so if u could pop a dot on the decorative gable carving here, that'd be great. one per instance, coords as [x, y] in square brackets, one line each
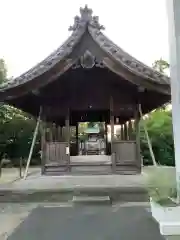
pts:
[88, 60]
[85, 19]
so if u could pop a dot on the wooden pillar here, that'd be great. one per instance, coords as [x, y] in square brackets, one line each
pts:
[67, 132]
[130, 130]
[50, 133]
[106, 138]
[43, 143]
[122, 132]
[59, 134]
[127, 124]
[137, 132]
[125, 132]
[77, 139]
[54, 132]
[113, 157]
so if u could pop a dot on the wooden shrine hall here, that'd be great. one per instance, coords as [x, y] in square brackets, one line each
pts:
[88, 79]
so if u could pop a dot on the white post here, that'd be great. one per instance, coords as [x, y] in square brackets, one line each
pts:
[173, 10]
[32, 145]
[148, 139]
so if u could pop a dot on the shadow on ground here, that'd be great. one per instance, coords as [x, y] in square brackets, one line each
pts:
[90, 223]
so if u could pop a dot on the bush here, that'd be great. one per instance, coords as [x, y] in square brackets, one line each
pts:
[159, 127]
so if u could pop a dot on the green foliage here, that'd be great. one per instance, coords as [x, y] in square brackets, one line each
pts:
[16, 132]
[160, 65]
[16, 129]
[3, 71]
[159, 127]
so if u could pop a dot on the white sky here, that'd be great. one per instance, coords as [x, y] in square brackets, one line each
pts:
[32, 29]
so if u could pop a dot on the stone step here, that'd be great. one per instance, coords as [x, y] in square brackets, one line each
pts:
[91, 200]
[116, 194]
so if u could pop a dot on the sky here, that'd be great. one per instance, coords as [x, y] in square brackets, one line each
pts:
[32, 29]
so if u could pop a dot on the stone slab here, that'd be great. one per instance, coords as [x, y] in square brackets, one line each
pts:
[91, 200]
[62, 188]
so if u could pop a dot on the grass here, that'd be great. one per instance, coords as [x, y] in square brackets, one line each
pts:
[166, 169]
[161, 184]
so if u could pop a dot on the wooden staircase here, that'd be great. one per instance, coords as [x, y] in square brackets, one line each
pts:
[90, 165]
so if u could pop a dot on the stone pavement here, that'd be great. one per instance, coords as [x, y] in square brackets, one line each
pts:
[59, 188]
[36, 181]
[67, 222]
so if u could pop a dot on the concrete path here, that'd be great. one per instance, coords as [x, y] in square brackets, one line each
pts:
[69, 223]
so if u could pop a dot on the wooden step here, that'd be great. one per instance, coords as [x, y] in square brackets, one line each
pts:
[90, 168]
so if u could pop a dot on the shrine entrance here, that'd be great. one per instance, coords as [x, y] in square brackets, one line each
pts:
[92, 138]
[91, 80]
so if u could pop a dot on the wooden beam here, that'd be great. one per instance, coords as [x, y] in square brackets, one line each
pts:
[148, 139]
[33, 143]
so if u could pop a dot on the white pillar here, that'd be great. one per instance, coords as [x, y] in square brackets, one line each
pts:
[173, 9]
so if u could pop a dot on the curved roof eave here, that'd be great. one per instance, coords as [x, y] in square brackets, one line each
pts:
[126, 60]
[94, 28]
[48, 63]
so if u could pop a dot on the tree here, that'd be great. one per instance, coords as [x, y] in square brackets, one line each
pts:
[3, 71]
[16, 128]
[160, 65]
[159, 127]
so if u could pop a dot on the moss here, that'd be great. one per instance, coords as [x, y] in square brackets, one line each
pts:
[167, 202]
